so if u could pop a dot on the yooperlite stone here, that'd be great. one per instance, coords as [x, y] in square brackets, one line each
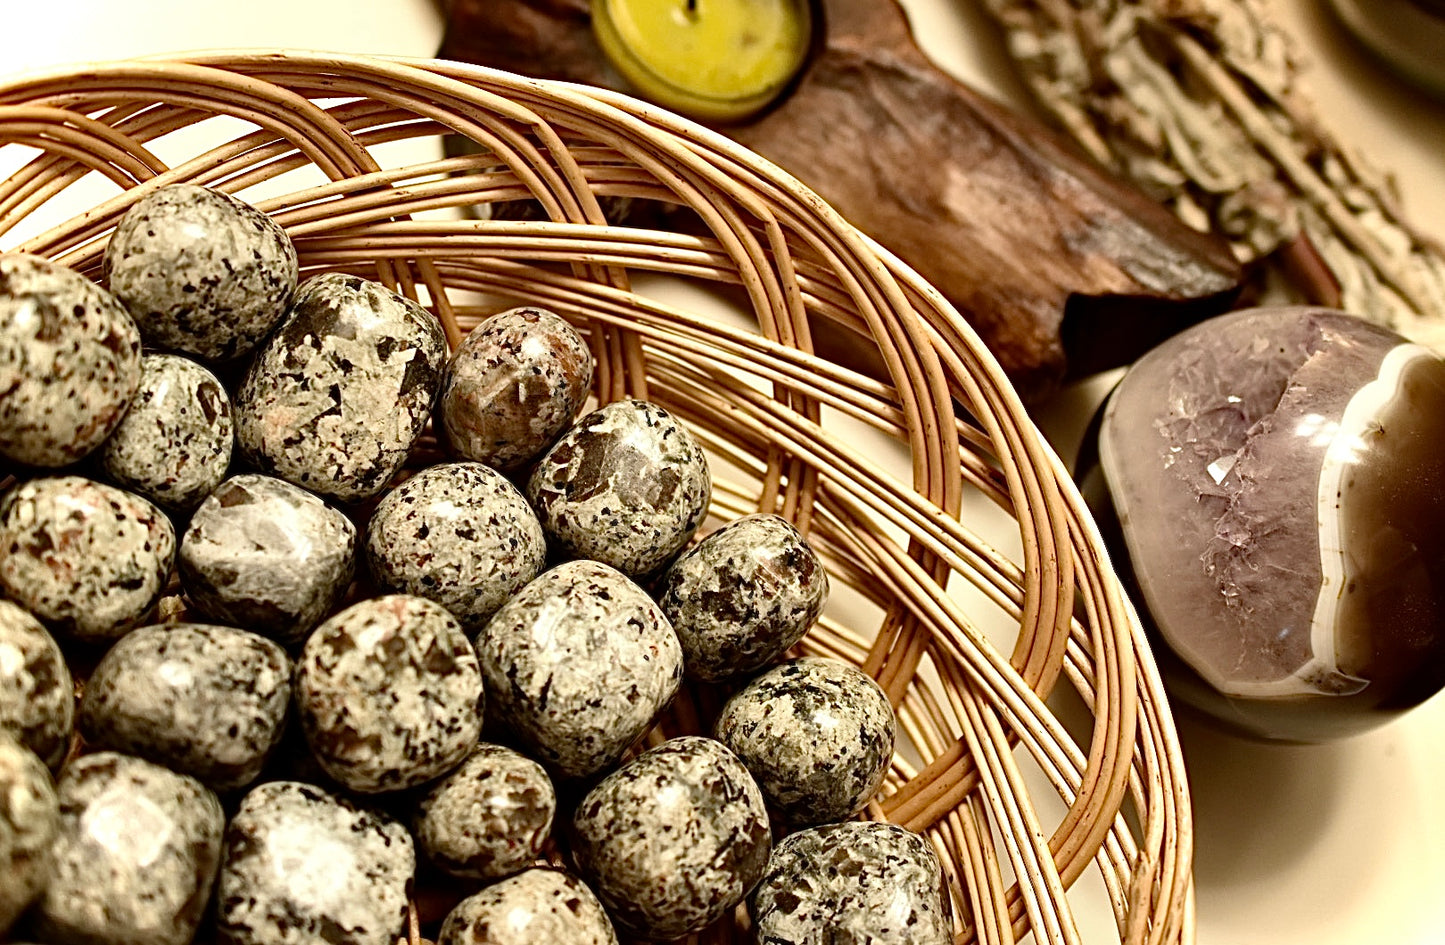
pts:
[69, 362]
[263, 554]
[389, 694]
[135, 855]
[513, 386]
[627, 485]
[303, 866]
[29, 821]
[174, 445]
[459, 534]
[578, 664]
[743, 595]
[205, 701]
[37, 698]
[537, 906]
[673, 839]
[88, 559]
[816, 734]
[1277, 475]
[490, 817]
[339, 392]
[201, 271]
[869, 883]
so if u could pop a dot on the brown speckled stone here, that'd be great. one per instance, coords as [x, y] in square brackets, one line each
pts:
[89, 560]
[303, 866]
[29, 821]
[673, 839]
[514, 384]
[817, 734]
[743, 595]
[490, 817]
[627, 485]
[201, 271]
[337, 395]
[389, 694]
[578, 663]
[538, 907]
[37, 697]
[459, 534]
[863, 883]
[174, 445]
[206, 701]
[69, 362]
[135, 857]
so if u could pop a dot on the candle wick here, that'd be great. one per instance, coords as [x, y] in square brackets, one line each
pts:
[692, 9]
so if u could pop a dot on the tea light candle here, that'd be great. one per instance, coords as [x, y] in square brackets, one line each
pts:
[716, 60]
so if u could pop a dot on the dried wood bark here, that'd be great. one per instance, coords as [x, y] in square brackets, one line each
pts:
[1199, 102]
[1062, 268]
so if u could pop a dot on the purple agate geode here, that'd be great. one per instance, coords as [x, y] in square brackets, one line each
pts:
[1278, 476]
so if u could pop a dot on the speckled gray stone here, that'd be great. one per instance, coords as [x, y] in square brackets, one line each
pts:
[37, 697]
[513, 386]
[29, 821]
[459, 534]
[389, 694]
[135, 856]
[490, 817]
[303, 866]
[174, 445]
[673, 839]
[741, 596]
[263, 554]
[861, 883]
[69, 362]
[201, 271]
[338, 394]
[627, 485]
[817, 734]
[531, 908]
[205, 701]
[578, 663]
[88, 559]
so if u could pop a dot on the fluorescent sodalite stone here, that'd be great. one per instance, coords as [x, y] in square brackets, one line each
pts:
[539, 905]
[1277, 475]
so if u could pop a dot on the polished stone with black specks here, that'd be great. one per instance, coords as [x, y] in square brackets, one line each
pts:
[29, 821]
[537, 906]
[37, 697]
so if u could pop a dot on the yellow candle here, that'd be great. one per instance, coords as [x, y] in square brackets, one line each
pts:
[718, 60]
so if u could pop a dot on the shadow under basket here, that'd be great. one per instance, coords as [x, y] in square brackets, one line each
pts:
[1038, 754]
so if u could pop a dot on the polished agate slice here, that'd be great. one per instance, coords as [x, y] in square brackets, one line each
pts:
[1279, 480]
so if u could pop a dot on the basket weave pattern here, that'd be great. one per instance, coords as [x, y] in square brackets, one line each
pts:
[982, 735]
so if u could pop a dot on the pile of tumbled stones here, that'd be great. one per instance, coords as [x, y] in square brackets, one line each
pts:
[386, 678]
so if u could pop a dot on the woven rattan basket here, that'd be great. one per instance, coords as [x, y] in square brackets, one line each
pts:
[1041, 759]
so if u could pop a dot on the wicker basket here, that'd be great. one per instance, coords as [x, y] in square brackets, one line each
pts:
[1039, 747]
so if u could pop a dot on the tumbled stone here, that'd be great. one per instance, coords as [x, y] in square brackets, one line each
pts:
[1277, 475]
[513, 386]
[135, 856]
[88, 559]
[303, 866]
[201, 271]
[490, 817]
[336, 396]
[743, 595]
[37, 697]
[535, 907]
[389, 694]
[578, 664]
[673, 839]
[857, 882]
[69, 362]
[29, 821]
[206, 701]
[459, 534]
[268, 556]
[627, 485]
[816, 734]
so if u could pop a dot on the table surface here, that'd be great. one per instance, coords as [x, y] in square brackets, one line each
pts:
[1331, 844]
